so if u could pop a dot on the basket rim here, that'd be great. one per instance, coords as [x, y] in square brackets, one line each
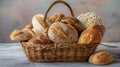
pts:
[27, 44]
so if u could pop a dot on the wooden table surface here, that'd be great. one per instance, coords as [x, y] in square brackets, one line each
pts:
[11, 55]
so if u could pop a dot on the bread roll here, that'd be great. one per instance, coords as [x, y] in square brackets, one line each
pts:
[40, 27]
[93, 34]
[40, 24]
[62, 33]
[101, 28]
[101, 57]
[22, 35]
[89, 18]
[43, 38]
[74, 22]
[56, 17]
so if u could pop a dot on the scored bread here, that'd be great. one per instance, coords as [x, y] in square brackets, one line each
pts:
[22, 35]
[39, 23]
[62, 33]
[93, 34]
[40, 27]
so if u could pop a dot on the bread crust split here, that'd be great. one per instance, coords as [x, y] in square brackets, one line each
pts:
[22, 35]
[41, 37]
[74, 22]
[56, 17]
[62, 33]
[39, 23]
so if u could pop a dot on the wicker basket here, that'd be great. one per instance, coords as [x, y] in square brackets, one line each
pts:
[58, 52]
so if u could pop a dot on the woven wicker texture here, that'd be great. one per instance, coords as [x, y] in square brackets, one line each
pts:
[57, 52]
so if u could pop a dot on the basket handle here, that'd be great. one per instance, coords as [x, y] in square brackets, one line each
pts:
[56, 2]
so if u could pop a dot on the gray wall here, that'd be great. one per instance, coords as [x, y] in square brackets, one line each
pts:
[17, 13]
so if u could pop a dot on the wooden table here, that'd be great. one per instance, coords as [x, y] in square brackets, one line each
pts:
[11, 55]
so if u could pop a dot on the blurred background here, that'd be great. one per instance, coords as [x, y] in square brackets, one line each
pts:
[15, 14]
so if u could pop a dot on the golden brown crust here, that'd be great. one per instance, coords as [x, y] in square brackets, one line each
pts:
[22, 35]
[30, 31]
[101, 57]
[74, 22]
[62, 33]
[56, 17]
[93, 34]
[101, 28]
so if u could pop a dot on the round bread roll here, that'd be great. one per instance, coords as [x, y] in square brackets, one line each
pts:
[101, 57]
[101, 28]
[62, 33]
[38, 23]
[93, 34]
[40, 27]
[89, 18]
[74, 22]
[56, 17]
[22, 35]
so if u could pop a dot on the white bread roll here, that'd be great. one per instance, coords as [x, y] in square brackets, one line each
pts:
[38, 23]
[40, 27]
[62, 33]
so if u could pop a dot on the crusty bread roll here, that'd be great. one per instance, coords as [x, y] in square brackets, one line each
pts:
[62, 33]
[89, 18]
[22, 35]
[56, 17]
[101, 57]
[93, 34]
[74, 22]
[40, 27]
[101, 28]
[43, 38]
[40, 24]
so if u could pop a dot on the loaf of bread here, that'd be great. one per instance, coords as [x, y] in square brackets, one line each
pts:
[40, 27]
[101, 57]
[89, 18]
[56, 17]
[93, 34]
[39, 24]
[74, 22]
[62, 33]
[42, 37]
[22, 35]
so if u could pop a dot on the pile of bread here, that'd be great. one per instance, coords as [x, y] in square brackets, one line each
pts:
[87, 28]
